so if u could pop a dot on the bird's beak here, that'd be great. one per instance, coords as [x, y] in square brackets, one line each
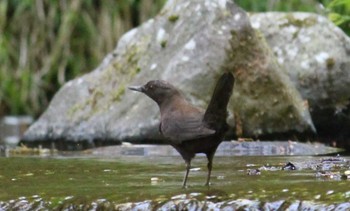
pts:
[136, 88]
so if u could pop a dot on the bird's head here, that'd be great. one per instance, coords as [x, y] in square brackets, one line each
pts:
[158, 90]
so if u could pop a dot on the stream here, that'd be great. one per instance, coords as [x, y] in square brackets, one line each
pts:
[128, 180]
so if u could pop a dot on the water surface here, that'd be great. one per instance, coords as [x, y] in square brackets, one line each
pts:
[128, 178]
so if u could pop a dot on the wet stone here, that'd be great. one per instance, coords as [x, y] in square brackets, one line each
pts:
[251, 172]
[273, 205]
[289, 166]
[180, 204]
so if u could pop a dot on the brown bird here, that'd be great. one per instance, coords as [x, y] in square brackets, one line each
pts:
[187, 128]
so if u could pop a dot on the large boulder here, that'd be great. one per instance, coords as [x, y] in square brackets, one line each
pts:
[316, 56]
[190, 44]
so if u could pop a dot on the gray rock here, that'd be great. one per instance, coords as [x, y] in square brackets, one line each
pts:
[316, 56]
[190, 44]
[226, 148]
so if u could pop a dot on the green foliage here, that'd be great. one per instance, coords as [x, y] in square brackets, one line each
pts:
[338, 11]
[281, 5]
[44, 43]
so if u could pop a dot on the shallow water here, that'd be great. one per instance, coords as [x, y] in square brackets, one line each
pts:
[52, 182]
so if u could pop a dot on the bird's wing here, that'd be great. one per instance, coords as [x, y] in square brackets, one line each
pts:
[185, 127]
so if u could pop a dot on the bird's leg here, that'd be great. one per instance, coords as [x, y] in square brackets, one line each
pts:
[210, 165]
[188, 167]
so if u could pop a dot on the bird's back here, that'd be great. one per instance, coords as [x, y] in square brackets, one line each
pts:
[181, 121]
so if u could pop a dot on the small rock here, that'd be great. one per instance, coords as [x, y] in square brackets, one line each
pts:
[253, 172]
[289, 166]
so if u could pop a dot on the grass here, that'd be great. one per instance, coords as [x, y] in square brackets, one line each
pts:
[43, 44]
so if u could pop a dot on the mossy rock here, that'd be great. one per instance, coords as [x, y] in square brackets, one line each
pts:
[191, 51]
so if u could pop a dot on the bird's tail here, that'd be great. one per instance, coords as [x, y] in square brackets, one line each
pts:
[216, 113]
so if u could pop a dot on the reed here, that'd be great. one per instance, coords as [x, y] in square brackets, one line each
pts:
[44, 43]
